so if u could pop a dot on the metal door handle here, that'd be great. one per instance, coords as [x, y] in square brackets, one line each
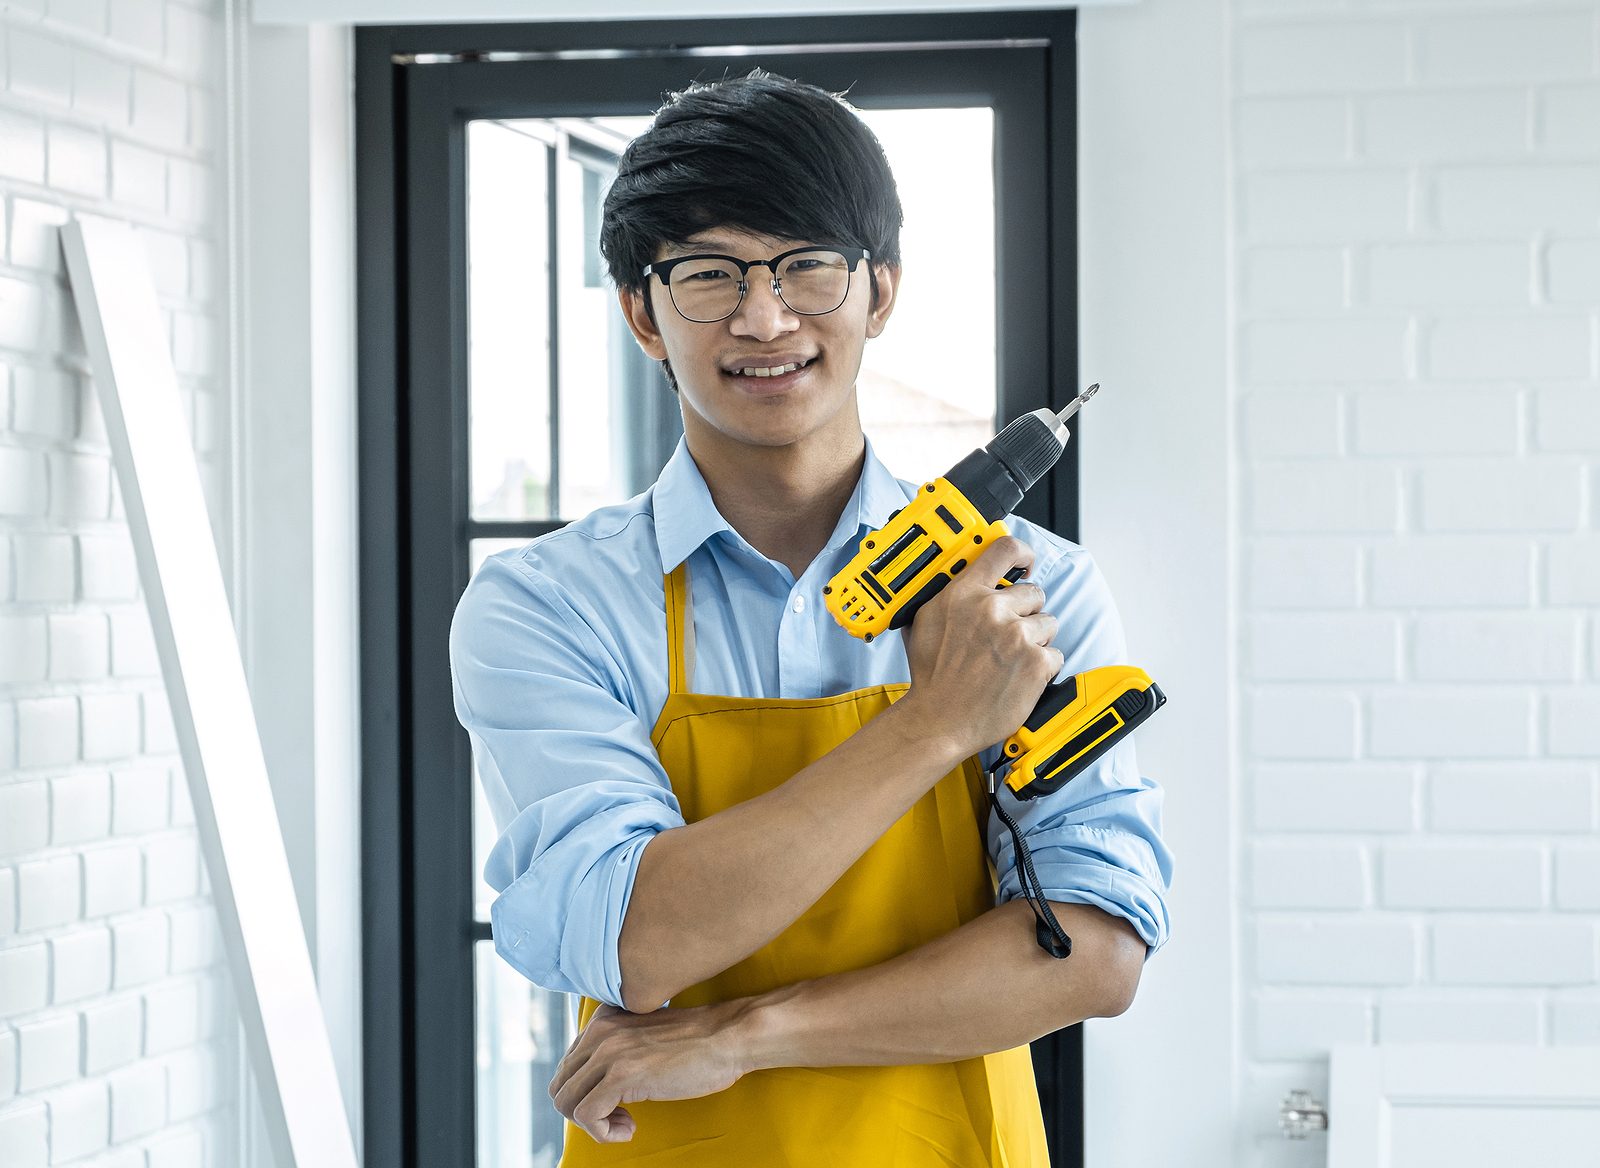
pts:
[1301, 1115]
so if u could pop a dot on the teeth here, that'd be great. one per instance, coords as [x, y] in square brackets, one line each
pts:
[775, 371]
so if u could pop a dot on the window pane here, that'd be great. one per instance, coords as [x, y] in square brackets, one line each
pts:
[590, 477]
[508, 302]
[522, 1033]
[616, 418]
[927, 385]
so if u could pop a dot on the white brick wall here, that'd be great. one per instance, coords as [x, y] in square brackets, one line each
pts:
[1416, 257]
[114, 1039]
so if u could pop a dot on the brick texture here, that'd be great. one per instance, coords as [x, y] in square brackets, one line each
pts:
[1296, 278]
[106, 949]
[1416, 330]
[1452, 1019]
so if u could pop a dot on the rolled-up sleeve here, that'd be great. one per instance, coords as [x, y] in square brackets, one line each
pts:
[1097, 840]
[569, 772]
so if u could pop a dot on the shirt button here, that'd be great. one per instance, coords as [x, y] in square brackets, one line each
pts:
[799, 603]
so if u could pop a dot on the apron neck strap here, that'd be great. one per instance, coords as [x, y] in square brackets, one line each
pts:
[680, 630]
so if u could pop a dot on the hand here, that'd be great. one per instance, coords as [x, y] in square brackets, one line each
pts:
[981, 656]
[666, 1054]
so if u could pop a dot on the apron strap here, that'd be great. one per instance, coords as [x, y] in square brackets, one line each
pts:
[680, 631]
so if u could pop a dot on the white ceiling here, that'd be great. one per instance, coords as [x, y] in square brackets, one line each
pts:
[458, 11]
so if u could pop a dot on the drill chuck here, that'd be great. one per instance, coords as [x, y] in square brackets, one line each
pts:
[995, 478]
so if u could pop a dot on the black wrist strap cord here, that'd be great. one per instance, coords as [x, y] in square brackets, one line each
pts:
[1047, 930]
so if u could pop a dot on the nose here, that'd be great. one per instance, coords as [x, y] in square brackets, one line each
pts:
[762, 314]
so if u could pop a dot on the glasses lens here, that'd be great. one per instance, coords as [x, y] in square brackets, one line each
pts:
[814, 282]
[705, 288]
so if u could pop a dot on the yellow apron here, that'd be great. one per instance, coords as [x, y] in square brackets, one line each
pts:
[924, 877]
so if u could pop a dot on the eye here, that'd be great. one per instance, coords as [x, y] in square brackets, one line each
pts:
[700, 275]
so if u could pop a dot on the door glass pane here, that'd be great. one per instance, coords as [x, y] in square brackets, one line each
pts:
[567, 413]
[522, 1033]
[927, 384]
[508, 299]
[590, 475]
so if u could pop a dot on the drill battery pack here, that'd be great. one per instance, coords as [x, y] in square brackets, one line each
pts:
[1076, 721]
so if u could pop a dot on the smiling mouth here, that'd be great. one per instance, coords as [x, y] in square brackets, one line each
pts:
[770, 371]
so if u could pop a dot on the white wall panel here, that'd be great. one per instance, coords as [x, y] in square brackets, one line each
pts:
[1155, 471]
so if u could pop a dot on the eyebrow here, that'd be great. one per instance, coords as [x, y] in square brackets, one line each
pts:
[683, 249]
[704, 247]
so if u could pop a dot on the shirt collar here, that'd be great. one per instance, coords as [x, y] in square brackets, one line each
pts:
[686, 517]
[878, 495]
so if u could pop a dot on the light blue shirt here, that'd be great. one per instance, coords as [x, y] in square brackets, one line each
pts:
[559, 658]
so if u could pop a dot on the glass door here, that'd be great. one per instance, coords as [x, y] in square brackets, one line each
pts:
[513, 400]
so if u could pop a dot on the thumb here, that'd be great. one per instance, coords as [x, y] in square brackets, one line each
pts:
[619, 1127]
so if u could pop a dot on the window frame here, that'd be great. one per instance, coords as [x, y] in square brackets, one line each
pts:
[417, 941]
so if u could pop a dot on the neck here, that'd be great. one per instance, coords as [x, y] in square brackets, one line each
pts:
[784, 500]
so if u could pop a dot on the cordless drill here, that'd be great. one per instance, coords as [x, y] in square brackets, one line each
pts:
[932, 539]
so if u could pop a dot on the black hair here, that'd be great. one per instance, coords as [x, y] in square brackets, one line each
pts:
[758, 152]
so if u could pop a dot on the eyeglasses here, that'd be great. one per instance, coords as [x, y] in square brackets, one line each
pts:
[812, 281]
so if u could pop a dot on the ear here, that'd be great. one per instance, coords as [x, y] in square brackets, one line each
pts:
[888, 280]
[635, 312]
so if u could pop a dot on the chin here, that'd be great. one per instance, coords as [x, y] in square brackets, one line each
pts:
[774, 421]
[773, 436]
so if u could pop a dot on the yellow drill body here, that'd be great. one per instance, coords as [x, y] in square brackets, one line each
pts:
[924, 544]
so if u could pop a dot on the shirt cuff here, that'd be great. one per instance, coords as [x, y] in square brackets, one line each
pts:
[558, 925]
[1114, 871]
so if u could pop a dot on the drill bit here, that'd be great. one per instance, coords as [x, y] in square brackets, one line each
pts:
[1076, 403]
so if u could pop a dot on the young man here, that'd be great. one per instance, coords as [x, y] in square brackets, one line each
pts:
[710, 794]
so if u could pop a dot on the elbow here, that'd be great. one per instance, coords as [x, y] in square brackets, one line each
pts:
[1116, 962]
[646, 986]
[1117, 974]
[1116, 989]
[643, 998]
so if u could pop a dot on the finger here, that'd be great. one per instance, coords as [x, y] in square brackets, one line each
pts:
[593, 1113]
[577, 1055]
[583, 1045]
[620, 1128]
[1040, 628]
[579, 1085]
[998, 558]
[564, 1069]
[617, 1128]
[1023, 598]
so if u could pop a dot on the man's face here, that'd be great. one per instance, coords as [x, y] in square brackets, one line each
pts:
[710, 361]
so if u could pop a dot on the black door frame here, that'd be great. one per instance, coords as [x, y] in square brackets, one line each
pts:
[415, 88]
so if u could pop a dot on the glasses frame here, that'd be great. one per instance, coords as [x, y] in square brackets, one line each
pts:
[852, 256]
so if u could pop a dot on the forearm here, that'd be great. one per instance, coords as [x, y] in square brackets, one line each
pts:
[984, 987]
[709, 894]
